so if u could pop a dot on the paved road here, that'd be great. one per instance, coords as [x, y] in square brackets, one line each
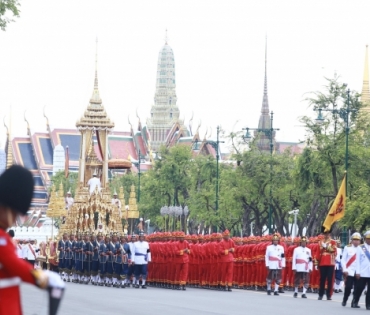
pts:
[91, 300]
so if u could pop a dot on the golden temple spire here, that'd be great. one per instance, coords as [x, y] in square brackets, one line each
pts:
[9, 147]
[166, 38]
[365, 93]
[95, 98]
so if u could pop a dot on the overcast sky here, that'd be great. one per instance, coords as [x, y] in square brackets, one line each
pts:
[47, 58]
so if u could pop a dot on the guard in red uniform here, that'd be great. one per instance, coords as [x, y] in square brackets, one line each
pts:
[16, 190]
[326, 263]
[226, 249]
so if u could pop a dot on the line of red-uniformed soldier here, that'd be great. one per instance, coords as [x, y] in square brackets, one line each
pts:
[214, 261]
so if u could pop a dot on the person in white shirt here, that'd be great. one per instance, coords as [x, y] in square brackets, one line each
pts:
[31, 252]
[364, 274]
[302, 266]
[69, 200]
[275, 262]
[117, 202]
[141, 256]
[25, 249]
[93, 183]
[351, 265]
[20, 248]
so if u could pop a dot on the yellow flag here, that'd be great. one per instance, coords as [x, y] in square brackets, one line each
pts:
[336, 211]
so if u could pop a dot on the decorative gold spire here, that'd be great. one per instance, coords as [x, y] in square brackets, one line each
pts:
[95, 115]
[95, 98]
[9, 147]
[365, 94]
[166, 38]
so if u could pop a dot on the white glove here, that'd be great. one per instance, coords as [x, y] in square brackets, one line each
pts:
[324, 245]
[316, 267]
[54, 280]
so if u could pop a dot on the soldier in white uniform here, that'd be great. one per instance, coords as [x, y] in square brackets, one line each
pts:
[302, 266]
[275, 262]
[338, 269]
[94, 182]
[351, 265]
[364, 274]
[141, 256]
[69, 200]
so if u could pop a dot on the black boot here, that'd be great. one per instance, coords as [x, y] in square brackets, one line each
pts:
[354, 304]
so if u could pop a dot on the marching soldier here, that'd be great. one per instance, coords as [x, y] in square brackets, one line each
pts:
[141, 257]
[95, 258]
[131, 267]
[182, 261]
[68, 255]
[326, 263]
[79, 259]
[61, 264]
[88, 250]
[120, 254]
[226, 258]
[351, 265]
[302, 266]
[102, 262]
[275, 262]
[126, 258]
[364, 274]
[110, 248]
[73, 239]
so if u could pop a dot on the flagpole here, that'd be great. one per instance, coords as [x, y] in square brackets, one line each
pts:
[347, 132]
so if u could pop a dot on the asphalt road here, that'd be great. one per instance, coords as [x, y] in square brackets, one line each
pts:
[90, 300]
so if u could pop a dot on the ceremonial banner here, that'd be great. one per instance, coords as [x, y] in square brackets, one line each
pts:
[336, 211]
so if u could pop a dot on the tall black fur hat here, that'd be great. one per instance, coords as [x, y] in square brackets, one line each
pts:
[16, 188]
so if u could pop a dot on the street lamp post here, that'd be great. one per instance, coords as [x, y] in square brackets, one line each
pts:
[295, 213]
[137, 164]
[216, 146]
[268, 132]
[344, 114]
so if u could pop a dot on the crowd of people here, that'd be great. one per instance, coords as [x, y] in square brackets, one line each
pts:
[174, 260]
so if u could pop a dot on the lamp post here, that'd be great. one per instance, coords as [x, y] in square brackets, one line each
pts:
[295, 213]
[268, 132]
[137, 164]
[344, 114]
[216, 146]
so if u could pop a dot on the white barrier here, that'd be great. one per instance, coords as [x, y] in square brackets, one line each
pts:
[41, 234]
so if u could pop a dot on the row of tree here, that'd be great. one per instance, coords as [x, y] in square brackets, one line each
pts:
[308, 181]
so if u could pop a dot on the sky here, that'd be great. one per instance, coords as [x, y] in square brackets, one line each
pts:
[47, 59]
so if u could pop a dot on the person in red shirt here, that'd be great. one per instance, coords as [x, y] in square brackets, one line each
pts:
[226, 250]
[16, 190]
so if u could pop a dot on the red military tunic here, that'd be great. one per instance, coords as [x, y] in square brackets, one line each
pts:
[226, 258]
[182, 262]
[13, 270]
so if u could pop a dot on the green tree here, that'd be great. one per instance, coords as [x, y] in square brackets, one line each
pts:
[69, 183]
[9, 9]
